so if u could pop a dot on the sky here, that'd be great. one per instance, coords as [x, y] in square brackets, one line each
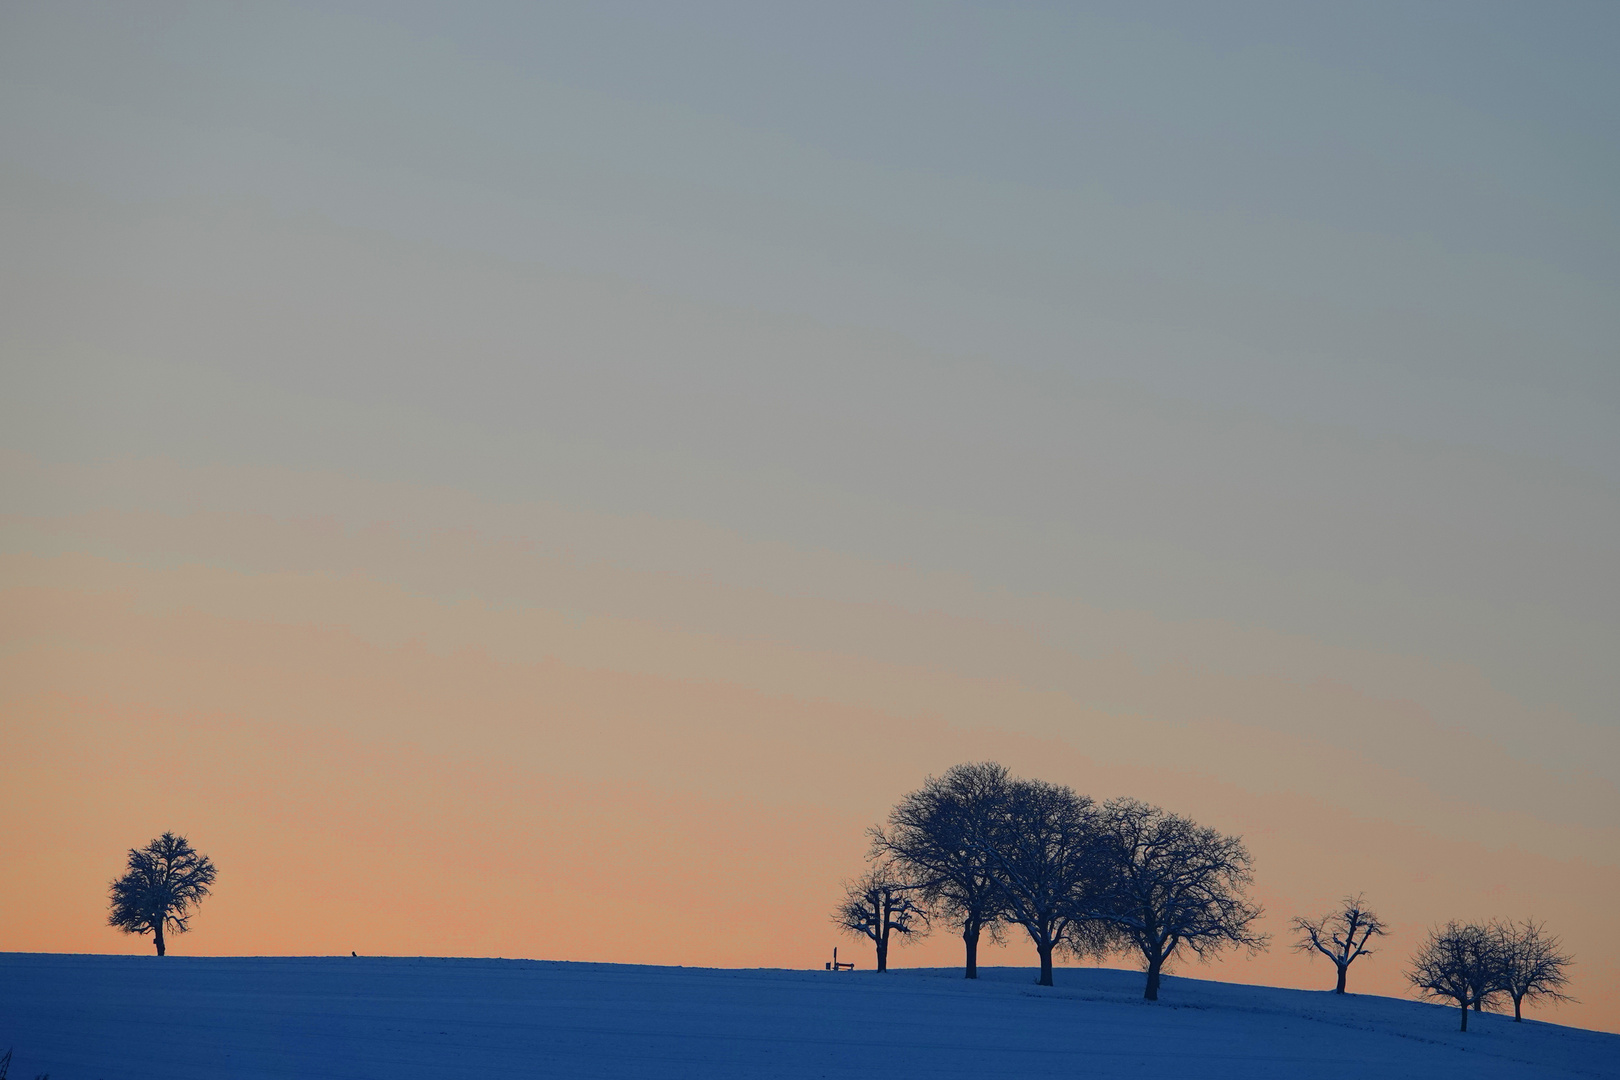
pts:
[542, 480]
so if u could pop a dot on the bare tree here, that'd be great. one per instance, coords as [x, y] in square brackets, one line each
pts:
[877, 905]
[1176, 885]
[1042, 845]
[930, 836]
[1533, 964]
[1460, 962]
[1335, 935]
[165, 879]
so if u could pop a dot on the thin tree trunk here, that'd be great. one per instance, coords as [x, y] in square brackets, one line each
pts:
[1046, 964]
[883, 953]
[1465, 1016]
[157, 936]
[1342, 969]
[1518, 1017]
[1479, 1004]
[1154, 966]
[970, 938]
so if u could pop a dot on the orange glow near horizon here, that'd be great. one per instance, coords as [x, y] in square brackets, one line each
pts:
[464, 797]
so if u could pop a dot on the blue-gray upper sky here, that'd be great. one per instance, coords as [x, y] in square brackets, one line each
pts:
[1295, 316]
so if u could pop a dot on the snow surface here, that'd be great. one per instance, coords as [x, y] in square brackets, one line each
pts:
[132, 1017]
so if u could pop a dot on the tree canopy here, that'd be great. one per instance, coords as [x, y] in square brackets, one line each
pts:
[931, 834]
[1175, 885]
[164, 881]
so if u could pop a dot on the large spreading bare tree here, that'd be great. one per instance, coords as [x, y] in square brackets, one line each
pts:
[1460, 962]
[931, 835]
[1341, 935]
[1533, 964]
[1175, 885]
[1041, 843]
[878, 905]
[164, 880]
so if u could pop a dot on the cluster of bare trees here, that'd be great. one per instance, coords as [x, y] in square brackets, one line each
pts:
[983, 851]
[1471, 964]
[1475, 965]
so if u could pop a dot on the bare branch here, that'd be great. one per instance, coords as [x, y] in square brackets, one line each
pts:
[877, 905]
[1341, 935]
[1533, 964]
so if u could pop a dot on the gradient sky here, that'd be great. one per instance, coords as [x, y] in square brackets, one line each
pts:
[540, 481]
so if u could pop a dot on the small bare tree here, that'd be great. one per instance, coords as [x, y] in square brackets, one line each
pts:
[1461, 962]
[1533, 964]
[1335, 935]
[1042, 845]
[929, 837]
[1175, 885]
[165, 879]
[877, 905]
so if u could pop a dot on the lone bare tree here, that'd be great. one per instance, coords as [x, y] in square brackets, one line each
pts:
[930, 836]
[1175, 885]
[1041, 843]
[1533, 964]
[1335, 935]
[1461, 962]
[165, 879]
[877, 905]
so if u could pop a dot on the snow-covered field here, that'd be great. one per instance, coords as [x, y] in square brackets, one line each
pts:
[129, 1017]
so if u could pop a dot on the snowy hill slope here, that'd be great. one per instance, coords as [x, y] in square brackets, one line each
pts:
[179, 1018]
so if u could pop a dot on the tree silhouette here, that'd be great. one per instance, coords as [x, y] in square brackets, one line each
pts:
[877, 905]
[1334, 934]
[930, 837]
[1042, 844]
[1532, 964]
[164, 881]
[1460, 962]
[1176, 885]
